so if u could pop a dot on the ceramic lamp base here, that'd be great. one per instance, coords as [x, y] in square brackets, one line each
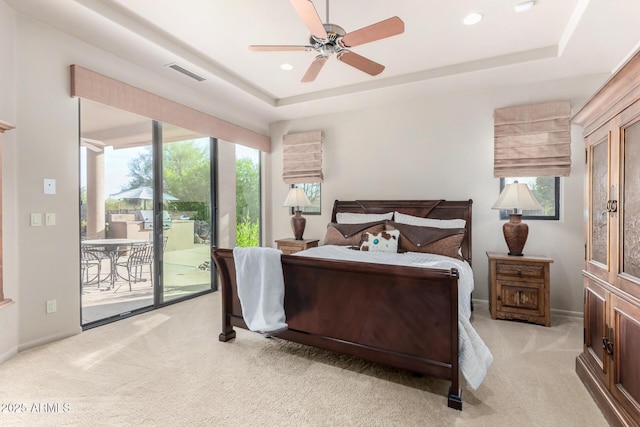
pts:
[298, 222]
[515, 234]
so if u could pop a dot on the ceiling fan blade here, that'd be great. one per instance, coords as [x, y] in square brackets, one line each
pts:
[314, 69]
[307, 12]
[380, 30]
[360, 62]
[278, 48]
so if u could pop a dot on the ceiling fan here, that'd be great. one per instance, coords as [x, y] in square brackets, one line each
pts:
[328, 39]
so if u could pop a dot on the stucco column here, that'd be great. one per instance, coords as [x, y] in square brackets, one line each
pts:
[95, 194]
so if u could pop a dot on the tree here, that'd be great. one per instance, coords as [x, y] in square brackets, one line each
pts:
[545, 192]
[141, 170]
[185, 168]
[247, 191]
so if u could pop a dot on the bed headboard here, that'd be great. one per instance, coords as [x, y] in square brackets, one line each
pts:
[436, 209]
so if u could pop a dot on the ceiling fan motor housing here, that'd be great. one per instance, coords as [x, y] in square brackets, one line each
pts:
[332, 43]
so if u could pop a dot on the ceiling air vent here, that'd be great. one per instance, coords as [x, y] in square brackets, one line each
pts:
[186, 72]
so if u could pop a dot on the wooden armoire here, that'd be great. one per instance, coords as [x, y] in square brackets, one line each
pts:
[609, 364]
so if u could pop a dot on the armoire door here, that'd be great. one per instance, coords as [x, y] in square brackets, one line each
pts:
[602, 191]
[596, 329]
[625, 385]
[629, 226]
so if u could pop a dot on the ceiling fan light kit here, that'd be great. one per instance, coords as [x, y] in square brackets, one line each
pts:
[328, 39]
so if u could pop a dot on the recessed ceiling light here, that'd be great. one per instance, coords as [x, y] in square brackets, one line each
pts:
[524, 6]
[472, 18]
[286, 66]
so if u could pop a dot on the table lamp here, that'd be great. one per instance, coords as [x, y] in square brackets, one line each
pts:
[295, 199]
[516, 196]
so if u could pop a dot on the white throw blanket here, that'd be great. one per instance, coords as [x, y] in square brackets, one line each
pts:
[260, 285]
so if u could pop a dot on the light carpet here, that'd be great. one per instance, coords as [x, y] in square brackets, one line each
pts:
[167, 368]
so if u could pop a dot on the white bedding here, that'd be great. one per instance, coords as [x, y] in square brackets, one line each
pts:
[475, 357]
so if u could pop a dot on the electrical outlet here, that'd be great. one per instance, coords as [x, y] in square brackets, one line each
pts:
[52, 306]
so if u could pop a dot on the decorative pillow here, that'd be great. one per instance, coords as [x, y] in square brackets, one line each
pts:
[350, 234]
[439, 241]
[401, 218]
[357, 218]
[385, 241]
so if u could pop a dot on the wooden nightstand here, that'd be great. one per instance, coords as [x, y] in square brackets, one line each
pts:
[519, 288]
[291, 246]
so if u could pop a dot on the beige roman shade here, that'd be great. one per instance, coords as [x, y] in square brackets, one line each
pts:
[302, 157]
[532, 140]
[105, 90]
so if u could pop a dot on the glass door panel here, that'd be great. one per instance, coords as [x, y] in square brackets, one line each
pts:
[116, 188]
[599, 216]
[631, 201]
[186, 212]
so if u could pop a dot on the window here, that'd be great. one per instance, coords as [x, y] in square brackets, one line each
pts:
[546, 189]
[312, 190]
[247, 196]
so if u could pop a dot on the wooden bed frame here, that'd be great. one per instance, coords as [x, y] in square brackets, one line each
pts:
[406, 317]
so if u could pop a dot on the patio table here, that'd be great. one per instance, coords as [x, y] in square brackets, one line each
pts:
[112, 248]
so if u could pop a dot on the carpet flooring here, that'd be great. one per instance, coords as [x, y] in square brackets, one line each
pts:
[167, 368]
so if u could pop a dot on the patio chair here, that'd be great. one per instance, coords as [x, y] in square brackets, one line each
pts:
[140, 255]
[90, 267]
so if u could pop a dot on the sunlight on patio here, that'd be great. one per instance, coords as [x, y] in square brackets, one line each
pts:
[185, 272]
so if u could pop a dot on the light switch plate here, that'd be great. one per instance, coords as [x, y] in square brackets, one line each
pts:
[49, 186]
[49, 219]
[36, 219]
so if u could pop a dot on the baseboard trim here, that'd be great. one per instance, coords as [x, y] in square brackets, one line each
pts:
[566, 313]
[8, 354]
[557, 312]
[46, 340]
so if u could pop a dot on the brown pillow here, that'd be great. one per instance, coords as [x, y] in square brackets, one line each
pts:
[439, 241]
[350, 234]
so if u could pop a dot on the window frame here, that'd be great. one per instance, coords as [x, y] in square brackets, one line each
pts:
[504, 214]
[310, 210]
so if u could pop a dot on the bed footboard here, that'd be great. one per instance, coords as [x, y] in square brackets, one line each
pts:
[404, 317]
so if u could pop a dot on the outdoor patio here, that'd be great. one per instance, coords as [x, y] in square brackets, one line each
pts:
[185, 273]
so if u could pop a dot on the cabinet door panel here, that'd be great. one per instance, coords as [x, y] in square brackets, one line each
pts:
[595, 312]
[626, 379]
[629, 279]
[599, 152]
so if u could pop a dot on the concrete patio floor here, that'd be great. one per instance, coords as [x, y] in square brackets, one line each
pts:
[182, 276]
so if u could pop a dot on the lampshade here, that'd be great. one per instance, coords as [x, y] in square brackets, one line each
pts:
[517, 196]
[296, 198]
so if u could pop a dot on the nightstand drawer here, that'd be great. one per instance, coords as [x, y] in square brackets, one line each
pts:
[524, 271]
[520, 297]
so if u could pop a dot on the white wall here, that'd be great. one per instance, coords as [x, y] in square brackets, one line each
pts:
[42, 263]
[423, 148]
[442, 148]
[9, 314]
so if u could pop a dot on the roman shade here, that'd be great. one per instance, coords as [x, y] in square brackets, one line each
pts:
[90, 85]
[302, 157]
[532, 140]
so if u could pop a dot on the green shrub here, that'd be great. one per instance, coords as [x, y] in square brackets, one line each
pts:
[247, 233]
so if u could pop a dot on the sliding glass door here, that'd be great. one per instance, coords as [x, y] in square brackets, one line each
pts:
[187, 228]
[146, 213]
